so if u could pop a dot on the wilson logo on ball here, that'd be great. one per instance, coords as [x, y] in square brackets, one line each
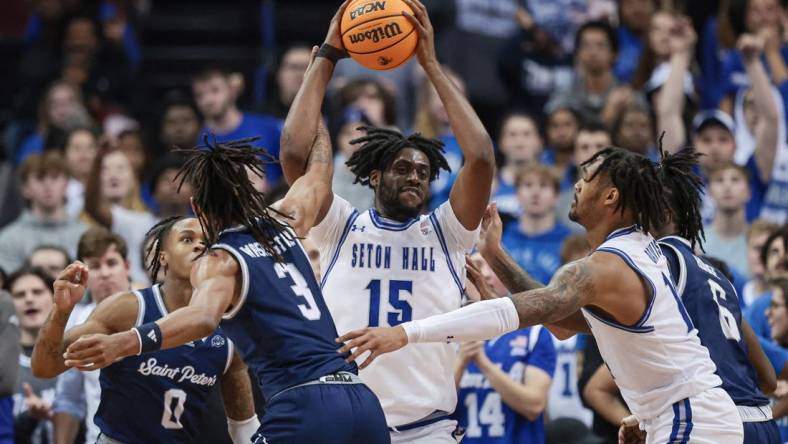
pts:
[377, 34]
[367, 8]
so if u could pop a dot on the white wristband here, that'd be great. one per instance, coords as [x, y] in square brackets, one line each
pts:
[475, 322]
[242, 431]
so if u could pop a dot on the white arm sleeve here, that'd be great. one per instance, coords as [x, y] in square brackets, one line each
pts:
[475, 322]
[242, 431]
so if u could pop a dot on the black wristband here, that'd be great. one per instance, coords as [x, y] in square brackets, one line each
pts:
[332, 53]
[150, 337]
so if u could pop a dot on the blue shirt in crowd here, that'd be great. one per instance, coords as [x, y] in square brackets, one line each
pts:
[486, 418]
[540, 254]
[268, 128]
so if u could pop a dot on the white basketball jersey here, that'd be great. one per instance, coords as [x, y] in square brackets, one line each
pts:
[660, 359]
[564, 400]
[376, 272]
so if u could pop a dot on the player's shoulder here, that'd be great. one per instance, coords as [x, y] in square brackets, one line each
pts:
[220, 260]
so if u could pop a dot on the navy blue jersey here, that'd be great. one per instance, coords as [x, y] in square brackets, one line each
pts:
[713, 305]
[280, 325]
[160, 397]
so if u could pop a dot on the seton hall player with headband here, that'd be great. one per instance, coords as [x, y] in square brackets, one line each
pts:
[164, 393]
[393, 263]
[622, 293]
[256, 280]
[713, 306]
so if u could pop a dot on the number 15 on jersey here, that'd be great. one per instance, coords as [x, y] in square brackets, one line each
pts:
[398, 309]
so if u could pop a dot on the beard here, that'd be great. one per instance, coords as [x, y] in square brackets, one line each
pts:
[392, 206]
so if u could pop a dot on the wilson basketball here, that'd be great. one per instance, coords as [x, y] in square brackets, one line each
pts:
[377, 35]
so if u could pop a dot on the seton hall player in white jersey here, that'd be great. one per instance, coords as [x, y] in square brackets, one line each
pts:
[393, 263]
[623, 292]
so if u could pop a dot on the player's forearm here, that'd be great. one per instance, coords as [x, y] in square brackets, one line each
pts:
[766, 135]
[606, 404]
[767, 380]
[471, 135]
[183, 325]
[237, 394]
[475, 322]
[514, 278]
[670, 106]
[300, 126]
[776, 65]
[527, 401]
[47, 359]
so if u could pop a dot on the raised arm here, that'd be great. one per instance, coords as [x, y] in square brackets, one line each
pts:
[242, 421]
[670, 104]
[215, 279]
[471, 190]
[47, 359]
[301, 124]
[766, 134]
[514, 278]
[310, 196]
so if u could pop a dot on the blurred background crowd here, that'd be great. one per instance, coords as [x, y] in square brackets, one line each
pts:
[95, 95]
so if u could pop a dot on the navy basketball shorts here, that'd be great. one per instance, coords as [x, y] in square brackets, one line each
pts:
[324, 413]
[764, 432]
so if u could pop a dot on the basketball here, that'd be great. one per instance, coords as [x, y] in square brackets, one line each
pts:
[377, 35]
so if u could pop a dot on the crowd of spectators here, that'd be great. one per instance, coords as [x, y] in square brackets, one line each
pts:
[87, 156]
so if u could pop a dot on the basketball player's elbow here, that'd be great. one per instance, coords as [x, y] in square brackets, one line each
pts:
[767, 386]
[205, 321]
[533, 408]
[41, 370]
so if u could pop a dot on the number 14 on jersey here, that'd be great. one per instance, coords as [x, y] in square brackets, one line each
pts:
[398, 309]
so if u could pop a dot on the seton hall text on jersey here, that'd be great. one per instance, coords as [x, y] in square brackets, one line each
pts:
[368, 255]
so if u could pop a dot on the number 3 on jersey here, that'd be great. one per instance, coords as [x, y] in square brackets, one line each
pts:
[403, 312]
[300, 287]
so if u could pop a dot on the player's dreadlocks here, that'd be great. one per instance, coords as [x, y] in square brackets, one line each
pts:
[638, 186]
[381, 145]
[155, 238]
[683, 189]
[224, 195]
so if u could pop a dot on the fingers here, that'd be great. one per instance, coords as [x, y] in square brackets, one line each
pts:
[368, 361]
[74, 272]
[353, 334]
[341, 10]
[28, 390]
[418, 8]
[416, 23]
[360, 350]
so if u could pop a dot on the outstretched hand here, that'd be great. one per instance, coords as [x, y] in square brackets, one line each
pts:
[476, 277]
[91, 352]
[70, 285]
[334, 34]
[491, 229]
[375, 340]
[425, 51]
